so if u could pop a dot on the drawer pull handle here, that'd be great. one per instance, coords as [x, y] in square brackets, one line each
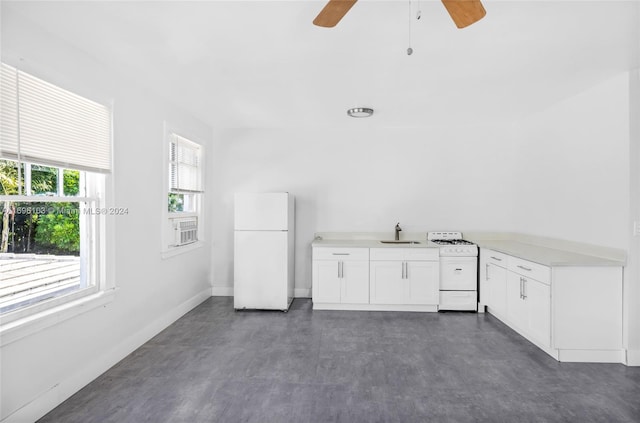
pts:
[496, 258]
[341, 254]
[524, 268]
[458, 270]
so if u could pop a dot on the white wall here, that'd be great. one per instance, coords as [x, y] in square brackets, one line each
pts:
[41, 370]
[363, 179]
[632, 287]
[572, 173]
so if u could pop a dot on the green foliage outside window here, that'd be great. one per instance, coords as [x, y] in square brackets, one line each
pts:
[176, 202]
[39, 227]
[71, 182]
[44, 180]
[59, 230]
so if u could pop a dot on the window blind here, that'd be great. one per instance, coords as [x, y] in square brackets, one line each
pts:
[184, 165]
[8, 111]
[46, 124]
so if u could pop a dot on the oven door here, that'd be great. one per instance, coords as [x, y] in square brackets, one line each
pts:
[458, 273]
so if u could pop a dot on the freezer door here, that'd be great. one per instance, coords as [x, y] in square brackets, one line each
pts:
[262, 211]
[261, 270]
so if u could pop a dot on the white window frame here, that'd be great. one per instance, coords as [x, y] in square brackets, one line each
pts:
[101, 289]
[168, 218]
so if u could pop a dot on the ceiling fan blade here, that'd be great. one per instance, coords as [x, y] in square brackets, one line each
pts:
[464, 12]
[333, 12]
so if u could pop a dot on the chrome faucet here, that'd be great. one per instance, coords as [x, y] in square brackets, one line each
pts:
[398, 229]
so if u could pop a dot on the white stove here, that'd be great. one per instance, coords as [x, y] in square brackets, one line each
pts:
[452, 244]
[458, 271]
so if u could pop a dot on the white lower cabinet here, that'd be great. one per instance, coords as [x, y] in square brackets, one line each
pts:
[574, 313]
[341, 276]
[529, 308]
[404, 276]
[493, 281]
[326, 281]
[516, 309]
[423, 282]
[380, 279]
[355, 282]
[404, 282]
[386, 283]
[497, 287]
[538, 298]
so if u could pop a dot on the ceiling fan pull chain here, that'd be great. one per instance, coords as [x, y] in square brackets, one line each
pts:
[409, 50]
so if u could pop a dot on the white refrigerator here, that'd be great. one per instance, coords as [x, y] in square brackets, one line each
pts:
[263, 259]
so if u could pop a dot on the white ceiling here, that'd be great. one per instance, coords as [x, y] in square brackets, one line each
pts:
[263, 63]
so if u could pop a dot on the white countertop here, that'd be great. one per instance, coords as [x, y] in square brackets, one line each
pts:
[544, 255]
[521, 246]
[369, 243]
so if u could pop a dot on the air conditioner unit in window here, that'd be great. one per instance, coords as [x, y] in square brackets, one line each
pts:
[185, 230]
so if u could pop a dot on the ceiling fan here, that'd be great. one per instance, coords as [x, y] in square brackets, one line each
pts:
[463, 12]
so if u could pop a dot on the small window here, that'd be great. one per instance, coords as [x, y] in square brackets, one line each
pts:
[185, 191]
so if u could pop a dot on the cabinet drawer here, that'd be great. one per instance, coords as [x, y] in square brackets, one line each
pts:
[493, 257]
[387, 254]
[529, 269]
[429, 254]
[408, 254]
[343, 254]
[458, 300]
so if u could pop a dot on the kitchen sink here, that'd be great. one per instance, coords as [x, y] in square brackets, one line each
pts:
[400, 242]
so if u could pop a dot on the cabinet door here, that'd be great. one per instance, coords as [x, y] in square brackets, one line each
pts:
[516, 306]
[496, 277]
[386, 282]
[538, 300]
[489, 258]
[422, 280]
[326, 281]
[355, 282]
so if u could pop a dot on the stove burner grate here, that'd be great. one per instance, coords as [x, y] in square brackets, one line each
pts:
[452, 242]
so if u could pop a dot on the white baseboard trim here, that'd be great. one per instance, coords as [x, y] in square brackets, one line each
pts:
[83, 375]
[633, 357]
[222, 291]
[302, 293]
[591, 356]
[376, 307]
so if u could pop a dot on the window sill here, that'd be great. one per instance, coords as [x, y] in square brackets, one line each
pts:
[181, 215]
[175, 251]
[29, 325]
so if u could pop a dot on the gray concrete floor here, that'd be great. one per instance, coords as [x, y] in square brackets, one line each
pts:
[217, 365]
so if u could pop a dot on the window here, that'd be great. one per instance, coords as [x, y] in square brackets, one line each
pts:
[55, 152]
[184, 196]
